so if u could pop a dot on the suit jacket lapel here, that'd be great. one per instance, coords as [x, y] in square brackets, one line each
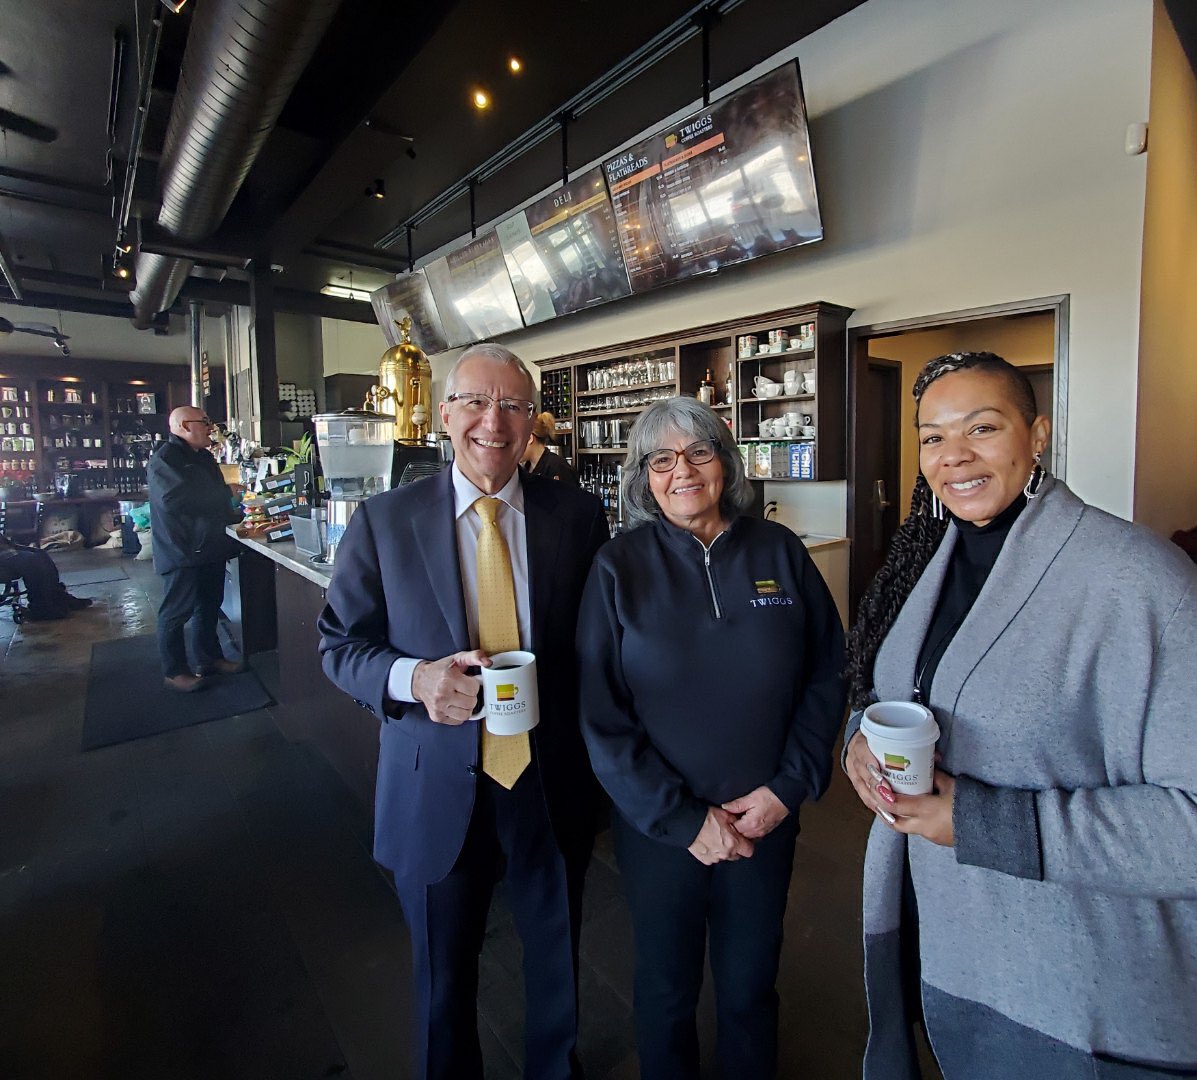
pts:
[435, 528]
[544, 541]
[1034, 542]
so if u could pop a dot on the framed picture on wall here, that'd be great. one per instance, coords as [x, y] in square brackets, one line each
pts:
[147, 404]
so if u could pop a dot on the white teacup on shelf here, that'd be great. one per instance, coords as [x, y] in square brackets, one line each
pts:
[762, 380]
[809, 384]
[765, 429]
[793, 381]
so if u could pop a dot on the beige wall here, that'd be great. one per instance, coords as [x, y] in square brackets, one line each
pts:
[967, 154]
[1027, 340]
[1165, 493]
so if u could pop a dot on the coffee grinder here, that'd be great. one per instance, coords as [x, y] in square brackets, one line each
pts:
[356, 449]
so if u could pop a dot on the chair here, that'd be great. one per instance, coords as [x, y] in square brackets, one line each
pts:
[12, 589]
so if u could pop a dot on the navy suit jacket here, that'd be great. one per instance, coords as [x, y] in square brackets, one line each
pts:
[396, 591]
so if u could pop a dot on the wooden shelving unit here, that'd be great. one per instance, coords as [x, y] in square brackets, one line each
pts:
[628, 368]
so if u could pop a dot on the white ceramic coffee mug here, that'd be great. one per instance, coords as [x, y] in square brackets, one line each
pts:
[509, 693]
[902, 736]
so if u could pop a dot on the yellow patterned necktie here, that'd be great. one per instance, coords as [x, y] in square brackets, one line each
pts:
[504, 757]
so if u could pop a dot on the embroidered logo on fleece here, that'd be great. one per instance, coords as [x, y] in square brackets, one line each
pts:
[768, 594]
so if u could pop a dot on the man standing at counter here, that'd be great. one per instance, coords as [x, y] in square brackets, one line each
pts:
[411, 608]
[190, 505]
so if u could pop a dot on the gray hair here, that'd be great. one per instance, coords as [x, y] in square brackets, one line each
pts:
[689, 417]
[490, 351]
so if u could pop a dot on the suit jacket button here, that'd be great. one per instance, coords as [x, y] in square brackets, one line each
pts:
[472, 770]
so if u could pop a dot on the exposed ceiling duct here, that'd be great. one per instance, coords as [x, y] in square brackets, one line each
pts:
[241, 63]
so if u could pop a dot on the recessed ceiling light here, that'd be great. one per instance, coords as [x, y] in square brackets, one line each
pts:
[515, 65]
[481, 99]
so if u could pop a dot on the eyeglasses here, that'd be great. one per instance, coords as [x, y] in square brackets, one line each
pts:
[481, 403]
[697, 453]
[202, 420]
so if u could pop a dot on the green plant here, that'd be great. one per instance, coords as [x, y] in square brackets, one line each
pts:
[300, 455]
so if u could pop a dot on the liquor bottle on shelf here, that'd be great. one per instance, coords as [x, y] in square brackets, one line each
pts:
[706, 389]
[730, 388]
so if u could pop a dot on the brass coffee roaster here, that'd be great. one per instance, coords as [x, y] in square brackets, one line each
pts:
[404, 387]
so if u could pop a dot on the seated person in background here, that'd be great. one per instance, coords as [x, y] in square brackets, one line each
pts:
[48, 598]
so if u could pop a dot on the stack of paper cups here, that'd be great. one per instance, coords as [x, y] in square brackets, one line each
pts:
[902, 736]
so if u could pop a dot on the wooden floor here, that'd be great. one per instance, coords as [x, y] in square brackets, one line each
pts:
[202, 903]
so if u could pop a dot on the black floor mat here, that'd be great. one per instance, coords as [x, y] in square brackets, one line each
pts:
[126, 698]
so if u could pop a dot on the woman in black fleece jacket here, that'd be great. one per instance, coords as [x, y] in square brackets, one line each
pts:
[710, 654]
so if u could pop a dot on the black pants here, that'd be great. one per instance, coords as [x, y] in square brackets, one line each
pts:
[47, 595]
[191, 598]
[447, 921]
[675, 900]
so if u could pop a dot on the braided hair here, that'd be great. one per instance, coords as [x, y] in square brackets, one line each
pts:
[918, 537]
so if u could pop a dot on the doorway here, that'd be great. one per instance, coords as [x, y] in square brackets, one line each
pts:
[883, 362]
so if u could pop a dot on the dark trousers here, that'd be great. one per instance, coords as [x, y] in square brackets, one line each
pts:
[191, 598]
[47, 595]
[675, 900]
[447, 921]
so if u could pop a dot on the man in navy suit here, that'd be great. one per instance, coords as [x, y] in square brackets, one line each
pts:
[400, 634]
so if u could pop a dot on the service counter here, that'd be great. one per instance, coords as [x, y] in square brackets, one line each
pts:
[276, 584]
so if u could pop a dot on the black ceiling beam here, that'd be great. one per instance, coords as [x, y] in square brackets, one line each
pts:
[100, 204]
[87, 305]
[358, 256]
[291, 301]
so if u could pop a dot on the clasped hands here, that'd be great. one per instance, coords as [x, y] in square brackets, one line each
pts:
[731, 830]
[929, 816]
[445, 689]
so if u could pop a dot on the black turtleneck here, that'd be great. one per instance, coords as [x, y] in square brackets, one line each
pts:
[976, 550]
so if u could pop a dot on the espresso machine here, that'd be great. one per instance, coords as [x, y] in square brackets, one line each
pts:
[356, 447]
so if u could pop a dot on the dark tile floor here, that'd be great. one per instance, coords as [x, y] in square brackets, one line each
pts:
[202, 903]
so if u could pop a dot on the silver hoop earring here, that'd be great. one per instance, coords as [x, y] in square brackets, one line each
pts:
[1035, 480]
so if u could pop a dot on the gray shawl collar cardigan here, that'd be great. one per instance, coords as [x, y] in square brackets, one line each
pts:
[1069, 903]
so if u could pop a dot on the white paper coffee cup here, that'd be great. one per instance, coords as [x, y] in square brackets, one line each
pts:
[509, 693]
[902, 736]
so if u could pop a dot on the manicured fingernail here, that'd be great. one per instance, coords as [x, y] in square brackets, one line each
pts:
[885, 793]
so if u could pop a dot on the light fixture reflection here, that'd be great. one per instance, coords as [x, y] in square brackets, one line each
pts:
[515, 65]
[481, 99]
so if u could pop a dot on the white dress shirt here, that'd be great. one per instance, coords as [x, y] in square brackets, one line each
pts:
[513, 526]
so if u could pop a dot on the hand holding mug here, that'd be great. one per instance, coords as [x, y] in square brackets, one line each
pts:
[445, 689]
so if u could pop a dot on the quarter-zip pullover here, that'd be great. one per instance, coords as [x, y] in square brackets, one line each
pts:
[707, 672]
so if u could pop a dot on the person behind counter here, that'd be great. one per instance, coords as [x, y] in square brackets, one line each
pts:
[539, 459]
[189, 509]
[416, 600]
[1041, 902]
[711, 699]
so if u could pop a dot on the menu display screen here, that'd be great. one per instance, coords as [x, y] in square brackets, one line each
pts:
[562, 251]
[473, 292]
[724, 185]
[410, 297]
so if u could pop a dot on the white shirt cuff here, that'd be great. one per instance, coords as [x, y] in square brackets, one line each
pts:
[399, 680]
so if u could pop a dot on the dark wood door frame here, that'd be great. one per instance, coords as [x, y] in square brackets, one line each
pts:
[858, 357]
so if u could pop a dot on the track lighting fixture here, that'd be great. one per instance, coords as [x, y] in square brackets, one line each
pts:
[175, 6]
[377, 190]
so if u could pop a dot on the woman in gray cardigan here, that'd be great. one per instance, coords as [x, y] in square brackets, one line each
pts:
[1038, 910]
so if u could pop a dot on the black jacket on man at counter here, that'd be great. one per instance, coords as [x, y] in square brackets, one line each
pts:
[708, 673]
[190, 505]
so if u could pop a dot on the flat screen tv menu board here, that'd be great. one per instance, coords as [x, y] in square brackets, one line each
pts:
[473, 292]
[562, 251]
[410, 297]
[724, 185]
